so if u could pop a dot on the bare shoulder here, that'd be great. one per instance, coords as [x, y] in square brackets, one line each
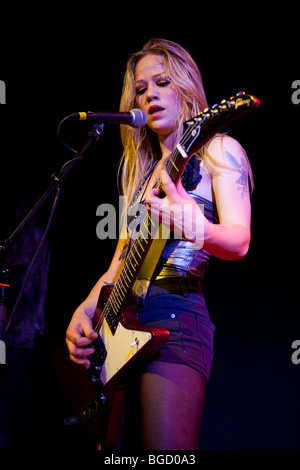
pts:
[228, 152]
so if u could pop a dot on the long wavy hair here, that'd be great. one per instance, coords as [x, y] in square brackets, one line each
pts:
[141, 145]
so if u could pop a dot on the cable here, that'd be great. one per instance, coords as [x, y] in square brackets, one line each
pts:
[60, 137]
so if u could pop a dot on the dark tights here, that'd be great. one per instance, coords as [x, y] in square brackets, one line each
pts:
[171, 401]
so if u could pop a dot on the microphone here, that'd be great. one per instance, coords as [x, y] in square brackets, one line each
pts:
[134, 118]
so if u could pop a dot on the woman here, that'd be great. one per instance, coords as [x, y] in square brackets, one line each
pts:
[164, 81]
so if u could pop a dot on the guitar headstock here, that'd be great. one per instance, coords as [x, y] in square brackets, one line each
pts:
[201, 128]
[241, 102]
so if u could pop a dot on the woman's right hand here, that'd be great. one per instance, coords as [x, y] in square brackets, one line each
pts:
[80, 331]
[79, 335]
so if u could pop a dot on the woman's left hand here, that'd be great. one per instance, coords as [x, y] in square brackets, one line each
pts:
[177, 210]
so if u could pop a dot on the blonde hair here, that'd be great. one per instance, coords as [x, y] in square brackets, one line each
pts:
[141, 145]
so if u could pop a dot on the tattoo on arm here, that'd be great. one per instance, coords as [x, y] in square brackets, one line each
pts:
[242, 181]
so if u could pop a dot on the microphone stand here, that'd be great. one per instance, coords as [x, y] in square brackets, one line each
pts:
[56, 180]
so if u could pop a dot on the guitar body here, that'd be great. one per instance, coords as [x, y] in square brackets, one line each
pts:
[129, 342]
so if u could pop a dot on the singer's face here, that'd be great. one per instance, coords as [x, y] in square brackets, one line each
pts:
[156, 96]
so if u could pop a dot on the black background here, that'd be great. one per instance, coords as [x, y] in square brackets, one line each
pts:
[65, 66]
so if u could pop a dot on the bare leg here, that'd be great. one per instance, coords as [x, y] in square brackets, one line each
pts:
[172, 401]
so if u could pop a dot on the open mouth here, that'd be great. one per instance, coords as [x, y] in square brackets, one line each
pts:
[154, 110]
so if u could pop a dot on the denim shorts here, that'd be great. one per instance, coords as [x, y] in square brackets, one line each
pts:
[178, 305]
